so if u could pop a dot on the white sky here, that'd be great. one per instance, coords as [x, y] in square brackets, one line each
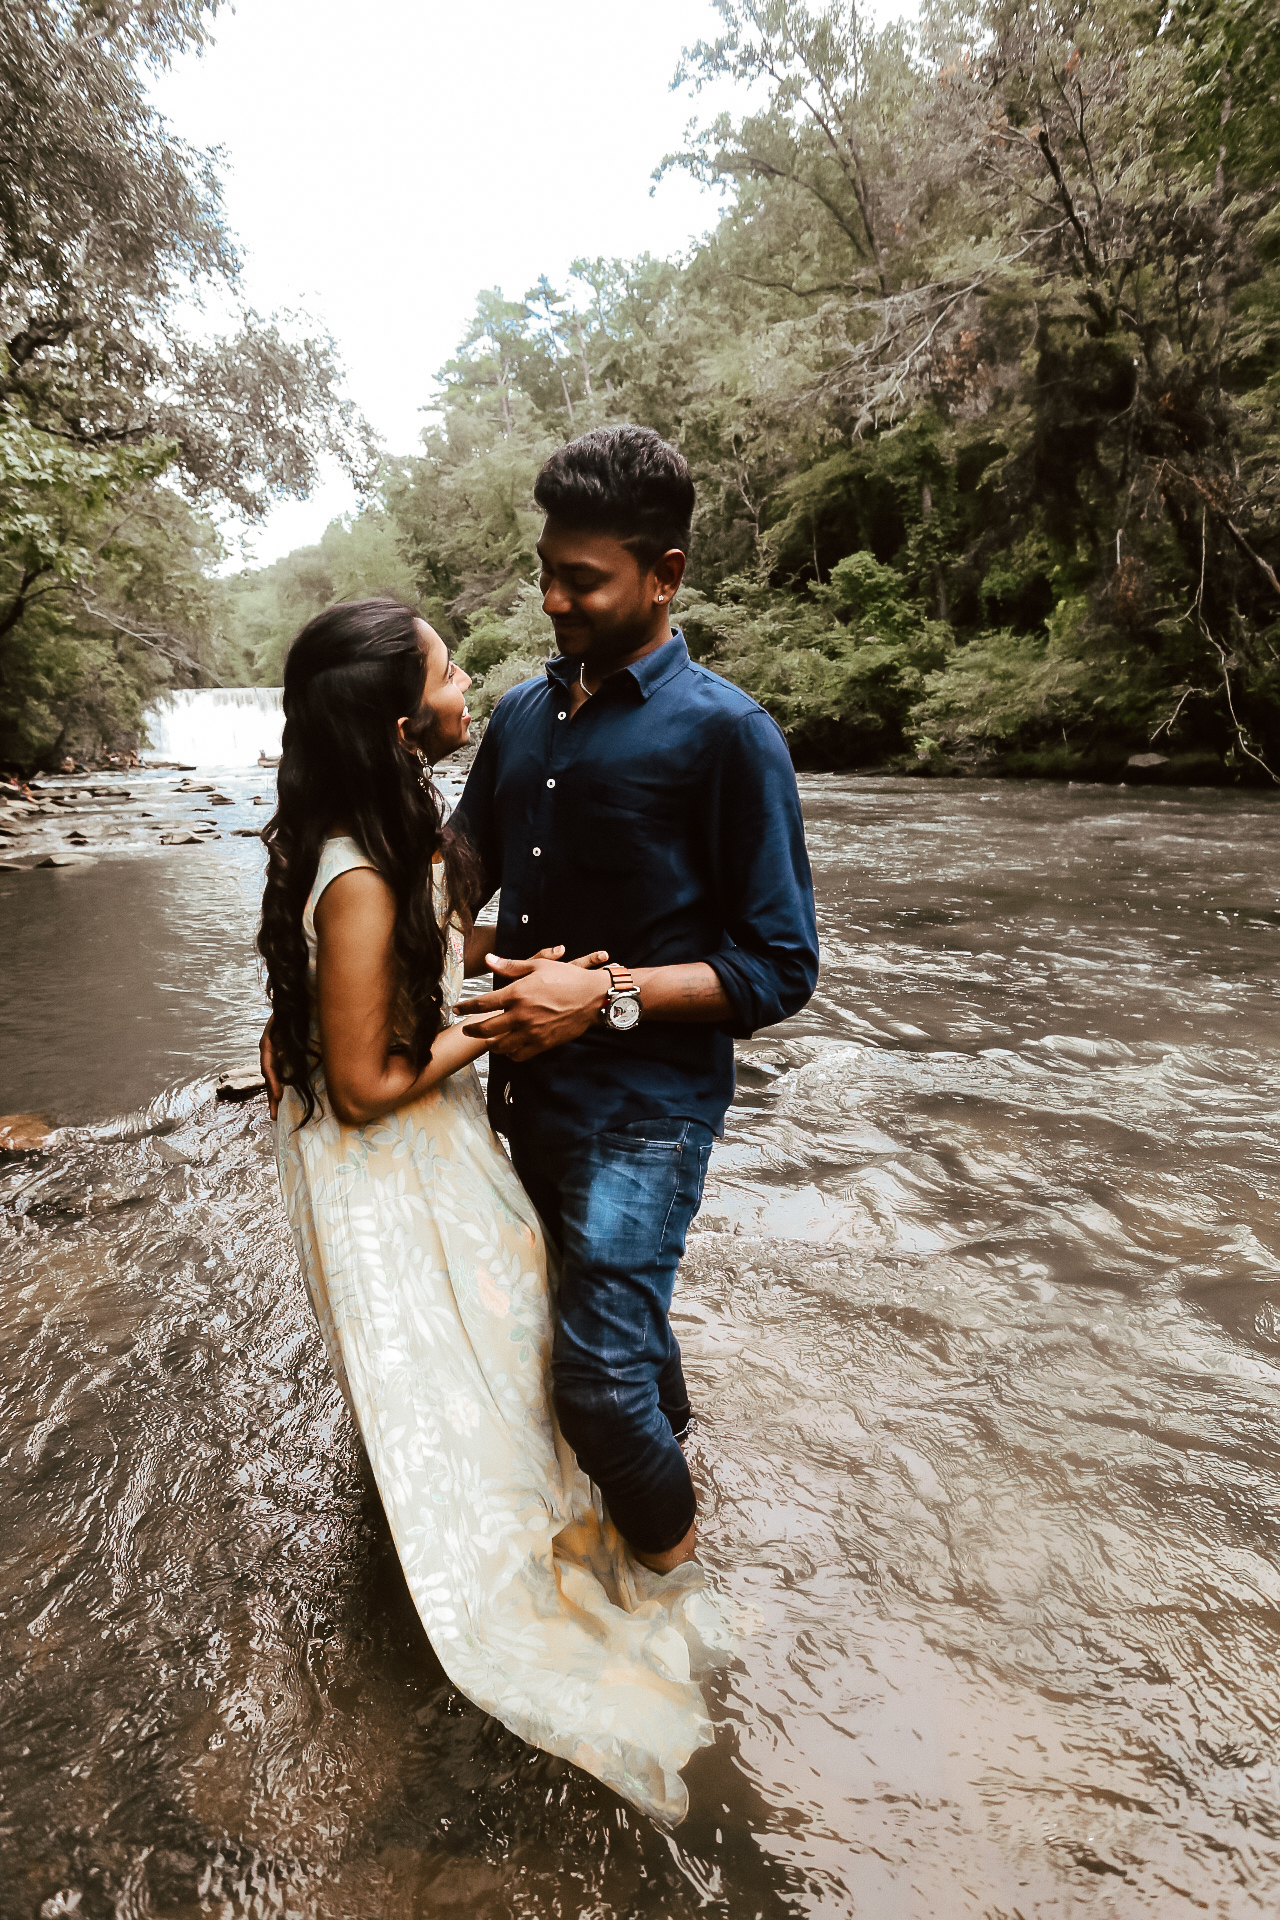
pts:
[383, 163]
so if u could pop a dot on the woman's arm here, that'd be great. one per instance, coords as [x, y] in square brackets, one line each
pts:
[356, 987]
[479, 942]
[479, 945]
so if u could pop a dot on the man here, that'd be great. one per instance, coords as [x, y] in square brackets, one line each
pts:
[631, 801]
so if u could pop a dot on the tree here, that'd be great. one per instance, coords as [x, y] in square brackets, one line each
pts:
[1142, 454]
[108, 226]
[264, 607]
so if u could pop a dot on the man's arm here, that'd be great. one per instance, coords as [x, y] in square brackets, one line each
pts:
[768, 962]
[689, 993]
[766, 968]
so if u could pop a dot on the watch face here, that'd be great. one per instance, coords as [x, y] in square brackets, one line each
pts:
[624, 1013]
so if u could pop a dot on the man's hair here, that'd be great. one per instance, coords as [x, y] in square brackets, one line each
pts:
[626, 481]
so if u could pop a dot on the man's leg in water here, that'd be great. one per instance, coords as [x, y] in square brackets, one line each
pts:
[618, 1205]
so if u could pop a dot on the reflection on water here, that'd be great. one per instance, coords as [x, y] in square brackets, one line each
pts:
[122, 977]
[983, 1318]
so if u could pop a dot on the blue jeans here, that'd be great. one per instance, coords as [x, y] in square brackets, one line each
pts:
[618, 1207]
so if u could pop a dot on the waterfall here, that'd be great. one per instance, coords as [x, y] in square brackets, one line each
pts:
[217, 726]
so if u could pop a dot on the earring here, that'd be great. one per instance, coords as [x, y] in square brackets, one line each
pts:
[424, 770]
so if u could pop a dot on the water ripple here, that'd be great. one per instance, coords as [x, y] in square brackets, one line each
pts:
[982, 1319]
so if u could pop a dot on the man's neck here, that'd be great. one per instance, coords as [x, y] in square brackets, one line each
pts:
[592, 675]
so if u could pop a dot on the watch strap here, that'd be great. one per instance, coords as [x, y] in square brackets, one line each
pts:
[621, 987]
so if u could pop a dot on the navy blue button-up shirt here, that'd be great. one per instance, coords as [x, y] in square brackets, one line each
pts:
[662, 823]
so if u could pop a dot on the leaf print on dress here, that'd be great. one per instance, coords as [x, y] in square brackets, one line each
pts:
[492, 1297]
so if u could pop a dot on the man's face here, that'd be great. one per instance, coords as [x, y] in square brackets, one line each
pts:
[601, 600]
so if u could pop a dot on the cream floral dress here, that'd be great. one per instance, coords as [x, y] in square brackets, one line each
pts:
[426, 1266]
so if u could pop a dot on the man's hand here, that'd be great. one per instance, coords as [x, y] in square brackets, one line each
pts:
[270, 1070]
[548, 1002]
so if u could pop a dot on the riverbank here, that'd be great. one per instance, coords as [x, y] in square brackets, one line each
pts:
[1118, 768]
[66, 820]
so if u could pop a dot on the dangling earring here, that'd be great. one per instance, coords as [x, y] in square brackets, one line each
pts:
[424, 770]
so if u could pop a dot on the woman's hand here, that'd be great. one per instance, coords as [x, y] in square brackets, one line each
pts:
[478, 947]
[474, 948]
[587, 960]
[271, 1068]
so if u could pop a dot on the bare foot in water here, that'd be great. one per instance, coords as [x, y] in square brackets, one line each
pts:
[686, 1549]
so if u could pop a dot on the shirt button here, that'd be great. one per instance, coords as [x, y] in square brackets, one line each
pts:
[536, 852]
[524, 919]
[551, 783]
[562, 716]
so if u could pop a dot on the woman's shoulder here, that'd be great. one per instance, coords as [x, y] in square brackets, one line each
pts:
[338, 854]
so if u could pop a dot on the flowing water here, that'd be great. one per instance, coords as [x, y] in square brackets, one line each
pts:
[982, 1318]
[217, 726]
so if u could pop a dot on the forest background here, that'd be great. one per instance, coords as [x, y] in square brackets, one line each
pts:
[978, 377]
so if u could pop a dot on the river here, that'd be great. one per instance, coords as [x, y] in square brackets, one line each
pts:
[982, 1319]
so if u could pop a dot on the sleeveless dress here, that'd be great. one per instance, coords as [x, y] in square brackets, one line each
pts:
[427, 1269]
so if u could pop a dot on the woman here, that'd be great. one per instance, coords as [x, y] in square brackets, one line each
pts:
[424, 1258]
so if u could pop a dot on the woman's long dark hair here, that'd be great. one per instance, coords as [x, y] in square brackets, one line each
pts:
[350, 675]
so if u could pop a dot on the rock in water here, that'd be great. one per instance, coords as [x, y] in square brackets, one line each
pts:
[21, 1131]
[183, 839]
[242, 1083]
[1146, 759]
[67, 860]
[220, 800]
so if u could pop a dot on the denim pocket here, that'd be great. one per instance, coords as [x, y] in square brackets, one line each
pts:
[647, 1136]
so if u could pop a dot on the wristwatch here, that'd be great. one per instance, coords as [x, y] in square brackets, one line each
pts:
[621, 1009]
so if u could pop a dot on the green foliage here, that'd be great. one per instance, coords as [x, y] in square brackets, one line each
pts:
[53, 495]
[500, 679]
[265, 606]
[501, 650]
[1001, 688]
[126, 605]
[1233, 65]
[838, 671]
[524, 629]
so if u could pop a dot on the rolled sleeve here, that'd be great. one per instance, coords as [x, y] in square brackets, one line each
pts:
[768, 960]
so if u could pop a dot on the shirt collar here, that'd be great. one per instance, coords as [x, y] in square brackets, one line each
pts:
[647, 675]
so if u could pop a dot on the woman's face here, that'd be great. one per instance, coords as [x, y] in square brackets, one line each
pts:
[441, 724]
